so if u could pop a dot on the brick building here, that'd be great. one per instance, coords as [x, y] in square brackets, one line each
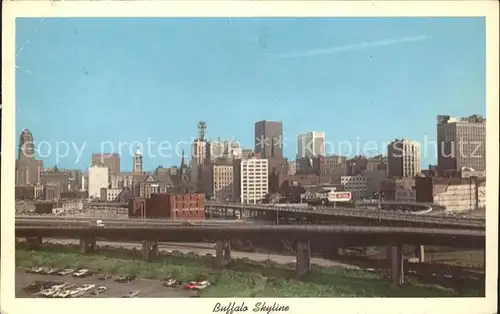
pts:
[172, 206]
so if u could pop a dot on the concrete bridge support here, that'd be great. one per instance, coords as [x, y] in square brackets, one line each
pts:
[149, 250]
[33, 243]
[303, 264]
[223, 252]
[420, 253]
[397, 271]
[87, 245]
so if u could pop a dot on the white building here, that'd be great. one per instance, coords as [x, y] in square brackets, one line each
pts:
[403, 159]
[254, 180]
[357, 185]
[85, 182]
[199, 155]
[310, 144]
[98, 179]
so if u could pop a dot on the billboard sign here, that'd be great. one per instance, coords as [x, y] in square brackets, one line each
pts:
[339, 196]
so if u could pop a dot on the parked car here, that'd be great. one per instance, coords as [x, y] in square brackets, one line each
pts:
[202, 285]
[34, 270]
[59, 285]
[51, 271]
[65, 272]
[76, 293]
[132, 294]
[172, 283]
[122, 279]
[100, 290]
[40, 270]
[82, 273]
[86, 287]
[47, 292]
[63, 294]
[197, 285]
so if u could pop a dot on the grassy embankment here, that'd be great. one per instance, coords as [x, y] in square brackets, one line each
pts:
[243, 278]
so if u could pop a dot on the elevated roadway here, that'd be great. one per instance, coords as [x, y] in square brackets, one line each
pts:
[171, 232]
[302, 237]
[317, 214]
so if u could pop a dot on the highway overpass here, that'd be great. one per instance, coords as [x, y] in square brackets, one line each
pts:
[302, 237]
[333, 214]
[339, 215]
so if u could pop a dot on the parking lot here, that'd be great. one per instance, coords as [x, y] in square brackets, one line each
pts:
[146, 288]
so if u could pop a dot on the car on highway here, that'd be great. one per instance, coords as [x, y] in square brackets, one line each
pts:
[132, 294]
[172, 283]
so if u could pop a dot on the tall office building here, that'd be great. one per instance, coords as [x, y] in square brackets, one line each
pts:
[461, 143]
[28, 169]
[253, 177]
[219, 181]
[310, 144]
[98, 179]
[403, 158]
[269, 138]
[109, 160]
[200, 155]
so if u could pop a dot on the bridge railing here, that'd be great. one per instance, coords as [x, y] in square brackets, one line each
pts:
[271, 228]
[377, 214]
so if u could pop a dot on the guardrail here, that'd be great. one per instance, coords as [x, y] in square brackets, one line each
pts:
[277, 229]
[378, 214]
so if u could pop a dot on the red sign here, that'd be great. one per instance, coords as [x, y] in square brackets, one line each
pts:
[342, 195]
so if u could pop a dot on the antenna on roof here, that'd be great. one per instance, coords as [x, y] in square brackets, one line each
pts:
[202, 126]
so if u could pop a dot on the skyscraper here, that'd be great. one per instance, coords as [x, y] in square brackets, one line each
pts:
[461, 143]
[269, 139]
[310, 144]
[403, 158]
[200, 155]
[28, 169]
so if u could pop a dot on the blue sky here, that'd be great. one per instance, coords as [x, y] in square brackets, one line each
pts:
[97, 80]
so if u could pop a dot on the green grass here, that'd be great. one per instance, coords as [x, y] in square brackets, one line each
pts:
[242, 278]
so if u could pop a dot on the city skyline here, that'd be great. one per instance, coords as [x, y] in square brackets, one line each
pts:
[386, 82]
